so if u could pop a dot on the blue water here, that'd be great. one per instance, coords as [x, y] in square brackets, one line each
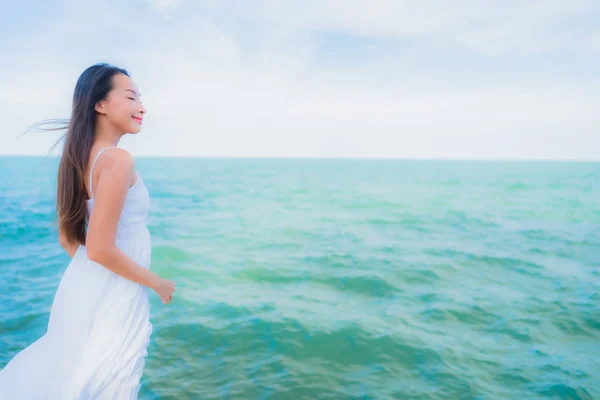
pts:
[343, 279]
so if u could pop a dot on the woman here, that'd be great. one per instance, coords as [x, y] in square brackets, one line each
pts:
[99, 326]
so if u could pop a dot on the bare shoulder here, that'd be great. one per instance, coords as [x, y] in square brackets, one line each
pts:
[115, 160]
[115, 164]
[119, 157]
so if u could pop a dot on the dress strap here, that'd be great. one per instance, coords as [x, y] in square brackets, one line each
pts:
[94, 163]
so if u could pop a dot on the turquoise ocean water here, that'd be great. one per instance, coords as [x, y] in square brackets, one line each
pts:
[343, 279]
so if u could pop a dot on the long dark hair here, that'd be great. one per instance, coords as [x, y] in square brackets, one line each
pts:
[93, 85]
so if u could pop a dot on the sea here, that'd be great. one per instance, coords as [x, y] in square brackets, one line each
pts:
[342, 278]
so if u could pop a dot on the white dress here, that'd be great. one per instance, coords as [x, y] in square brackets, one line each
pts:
[99, 326]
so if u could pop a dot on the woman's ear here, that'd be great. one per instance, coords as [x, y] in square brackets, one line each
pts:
[100, 107]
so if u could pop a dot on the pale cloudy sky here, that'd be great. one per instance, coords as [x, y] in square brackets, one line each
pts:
[318, 78]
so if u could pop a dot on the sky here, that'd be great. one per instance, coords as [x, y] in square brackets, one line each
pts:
[497, 79]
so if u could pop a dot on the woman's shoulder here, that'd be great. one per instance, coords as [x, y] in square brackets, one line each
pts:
[119, 157]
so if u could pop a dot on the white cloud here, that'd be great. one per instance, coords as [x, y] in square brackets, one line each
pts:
[239, 107]
[163, 6]
[595, 41]
[490, 27]
[238, 80]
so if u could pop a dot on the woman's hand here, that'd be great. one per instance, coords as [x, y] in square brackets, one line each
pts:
[164, 289]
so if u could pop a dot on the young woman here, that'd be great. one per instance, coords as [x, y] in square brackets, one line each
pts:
[99, 326]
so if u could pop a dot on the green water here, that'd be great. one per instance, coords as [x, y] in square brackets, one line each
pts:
[340, 279]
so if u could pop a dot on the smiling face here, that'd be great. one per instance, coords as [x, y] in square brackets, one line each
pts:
[122, 107]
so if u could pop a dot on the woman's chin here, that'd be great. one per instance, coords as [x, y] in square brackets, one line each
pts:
[135, 130]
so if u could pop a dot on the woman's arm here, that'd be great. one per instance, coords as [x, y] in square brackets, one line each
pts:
[115, 171]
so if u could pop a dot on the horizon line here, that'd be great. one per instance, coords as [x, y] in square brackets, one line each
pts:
[333, 158]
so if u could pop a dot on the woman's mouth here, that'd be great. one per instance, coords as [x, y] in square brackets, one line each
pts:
[137, 119]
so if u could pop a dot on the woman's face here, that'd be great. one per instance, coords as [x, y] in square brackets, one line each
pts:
[122, 106]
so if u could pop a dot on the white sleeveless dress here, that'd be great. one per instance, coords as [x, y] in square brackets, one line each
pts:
[99, 326]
